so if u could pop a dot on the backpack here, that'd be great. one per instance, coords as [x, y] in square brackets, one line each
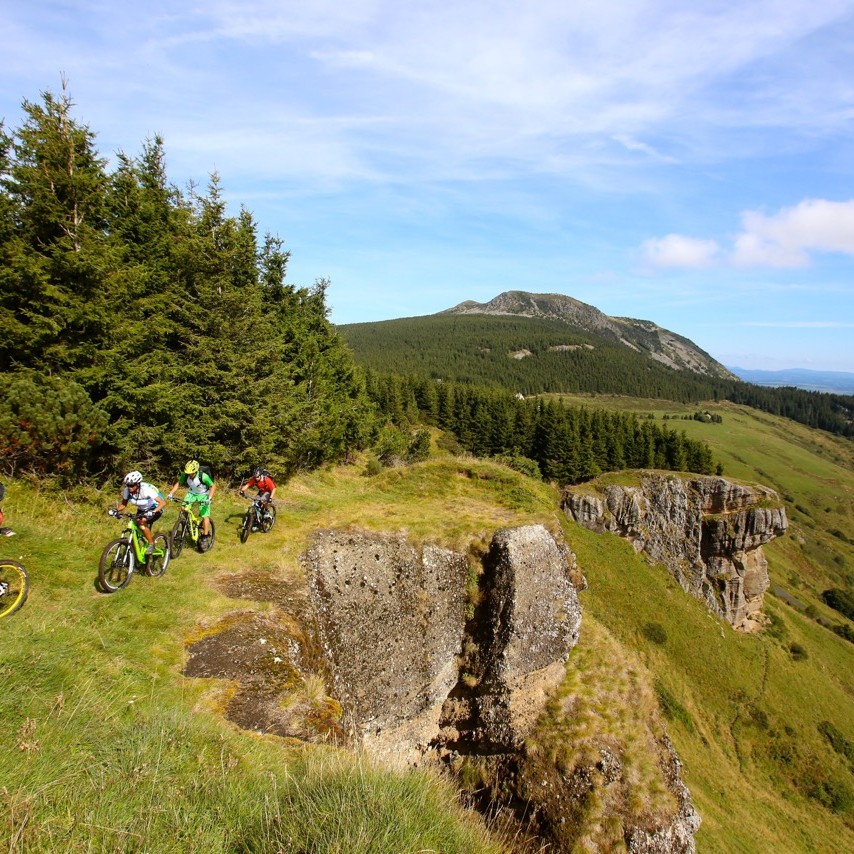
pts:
[206, 470]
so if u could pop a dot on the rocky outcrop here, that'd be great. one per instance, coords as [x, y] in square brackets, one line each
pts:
[391, 620]
[430, 667]
[401, 638]
[707, 531]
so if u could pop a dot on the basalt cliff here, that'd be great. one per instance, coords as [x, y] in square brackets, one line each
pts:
[707, 531]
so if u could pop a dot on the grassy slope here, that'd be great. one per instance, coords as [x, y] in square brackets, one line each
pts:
[116, 750]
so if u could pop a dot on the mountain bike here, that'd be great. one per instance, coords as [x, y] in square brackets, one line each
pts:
[189, 525]
[120, 557]
[257, 518]
[14, 586]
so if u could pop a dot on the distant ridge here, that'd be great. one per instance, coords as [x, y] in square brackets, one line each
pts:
[833, 382]
[642, 336]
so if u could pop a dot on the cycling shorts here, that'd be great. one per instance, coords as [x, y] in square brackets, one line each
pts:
[203, 502]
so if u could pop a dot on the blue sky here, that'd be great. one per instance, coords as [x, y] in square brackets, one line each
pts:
[688, 163]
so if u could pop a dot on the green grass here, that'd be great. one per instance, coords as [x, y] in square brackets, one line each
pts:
[109, 747]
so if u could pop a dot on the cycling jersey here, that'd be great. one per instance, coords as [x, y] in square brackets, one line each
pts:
[263, 484]
[145, 499]
[198, 484]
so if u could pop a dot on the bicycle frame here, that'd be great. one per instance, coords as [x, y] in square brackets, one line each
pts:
[189, 524]
[194, 522]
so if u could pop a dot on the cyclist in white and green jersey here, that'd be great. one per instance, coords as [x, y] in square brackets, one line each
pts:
[200, 490]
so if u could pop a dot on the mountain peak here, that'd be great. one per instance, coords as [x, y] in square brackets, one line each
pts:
[643, 336]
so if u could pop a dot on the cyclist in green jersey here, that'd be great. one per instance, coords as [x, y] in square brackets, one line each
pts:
[200, 489]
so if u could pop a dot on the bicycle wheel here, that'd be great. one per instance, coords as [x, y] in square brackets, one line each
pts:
[246, 525]
[116, 566]
[177, 537]
[14, 586]
[206, 543]
[159, 559]
[268, 519]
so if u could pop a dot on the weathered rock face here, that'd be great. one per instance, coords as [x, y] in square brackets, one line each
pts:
[427, 673]
[393, 622]
[707, 531]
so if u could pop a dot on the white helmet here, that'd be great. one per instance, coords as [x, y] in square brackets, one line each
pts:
[132, 478]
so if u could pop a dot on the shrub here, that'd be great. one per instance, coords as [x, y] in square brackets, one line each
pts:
[840, 600]
[48, 425]
[419, 447]
[798, 652]
[837, 740]
[655, 633]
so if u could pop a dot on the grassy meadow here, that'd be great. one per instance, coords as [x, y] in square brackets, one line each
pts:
[109, 747]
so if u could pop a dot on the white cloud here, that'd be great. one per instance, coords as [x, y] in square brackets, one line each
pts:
[785, 239]
[676, 250]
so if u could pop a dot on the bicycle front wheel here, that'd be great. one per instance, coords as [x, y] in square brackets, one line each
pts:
[206, 543]
[158, 560]
[269, 519]
[179, 532]
[14, 586]
[116, 566]
[246, 527]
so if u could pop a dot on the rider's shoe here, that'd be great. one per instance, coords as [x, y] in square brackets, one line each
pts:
[149, 550]
[6, 532]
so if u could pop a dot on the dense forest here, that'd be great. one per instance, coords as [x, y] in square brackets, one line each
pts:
[141, 325]
[565, 444]
[551, 356]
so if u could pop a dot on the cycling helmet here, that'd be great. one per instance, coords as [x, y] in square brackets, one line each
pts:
[132, 478]
[192, 467]
[259, 473]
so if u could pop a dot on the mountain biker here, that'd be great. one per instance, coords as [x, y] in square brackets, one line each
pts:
[149, 504]
[4, 532]
[200, 490]
[263, 481]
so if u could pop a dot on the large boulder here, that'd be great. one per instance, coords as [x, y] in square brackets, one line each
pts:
[391, 619]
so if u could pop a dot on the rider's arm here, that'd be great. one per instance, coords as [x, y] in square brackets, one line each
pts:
[174, 489]
[161, 501]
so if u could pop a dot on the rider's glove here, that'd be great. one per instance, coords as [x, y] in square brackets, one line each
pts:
[241, 493]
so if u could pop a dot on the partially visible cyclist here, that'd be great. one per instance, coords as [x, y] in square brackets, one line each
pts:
[147, 499]
[200, 489]
[263, 481]
[4, 532]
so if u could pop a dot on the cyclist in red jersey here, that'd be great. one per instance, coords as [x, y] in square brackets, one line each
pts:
[263, 481]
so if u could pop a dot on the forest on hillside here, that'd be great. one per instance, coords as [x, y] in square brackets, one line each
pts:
[555, 357]
[142, 325]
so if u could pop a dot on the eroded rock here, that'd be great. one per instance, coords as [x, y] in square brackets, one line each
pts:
[707, 531]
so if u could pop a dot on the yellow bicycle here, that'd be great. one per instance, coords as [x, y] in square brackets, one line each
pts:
[189, 526]
[14, 586]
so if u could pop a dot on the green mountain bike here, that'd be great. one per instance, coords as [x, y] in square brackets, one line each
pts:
[189, 526]
[121, 557]
[14, 586]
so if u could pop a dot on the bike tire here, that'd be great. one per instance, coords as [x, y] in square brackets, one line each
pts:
[269, 520]
[158, 560]
[246, 526]
[17, 583]
[116, 566]
[177, 537]
[206, 543]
